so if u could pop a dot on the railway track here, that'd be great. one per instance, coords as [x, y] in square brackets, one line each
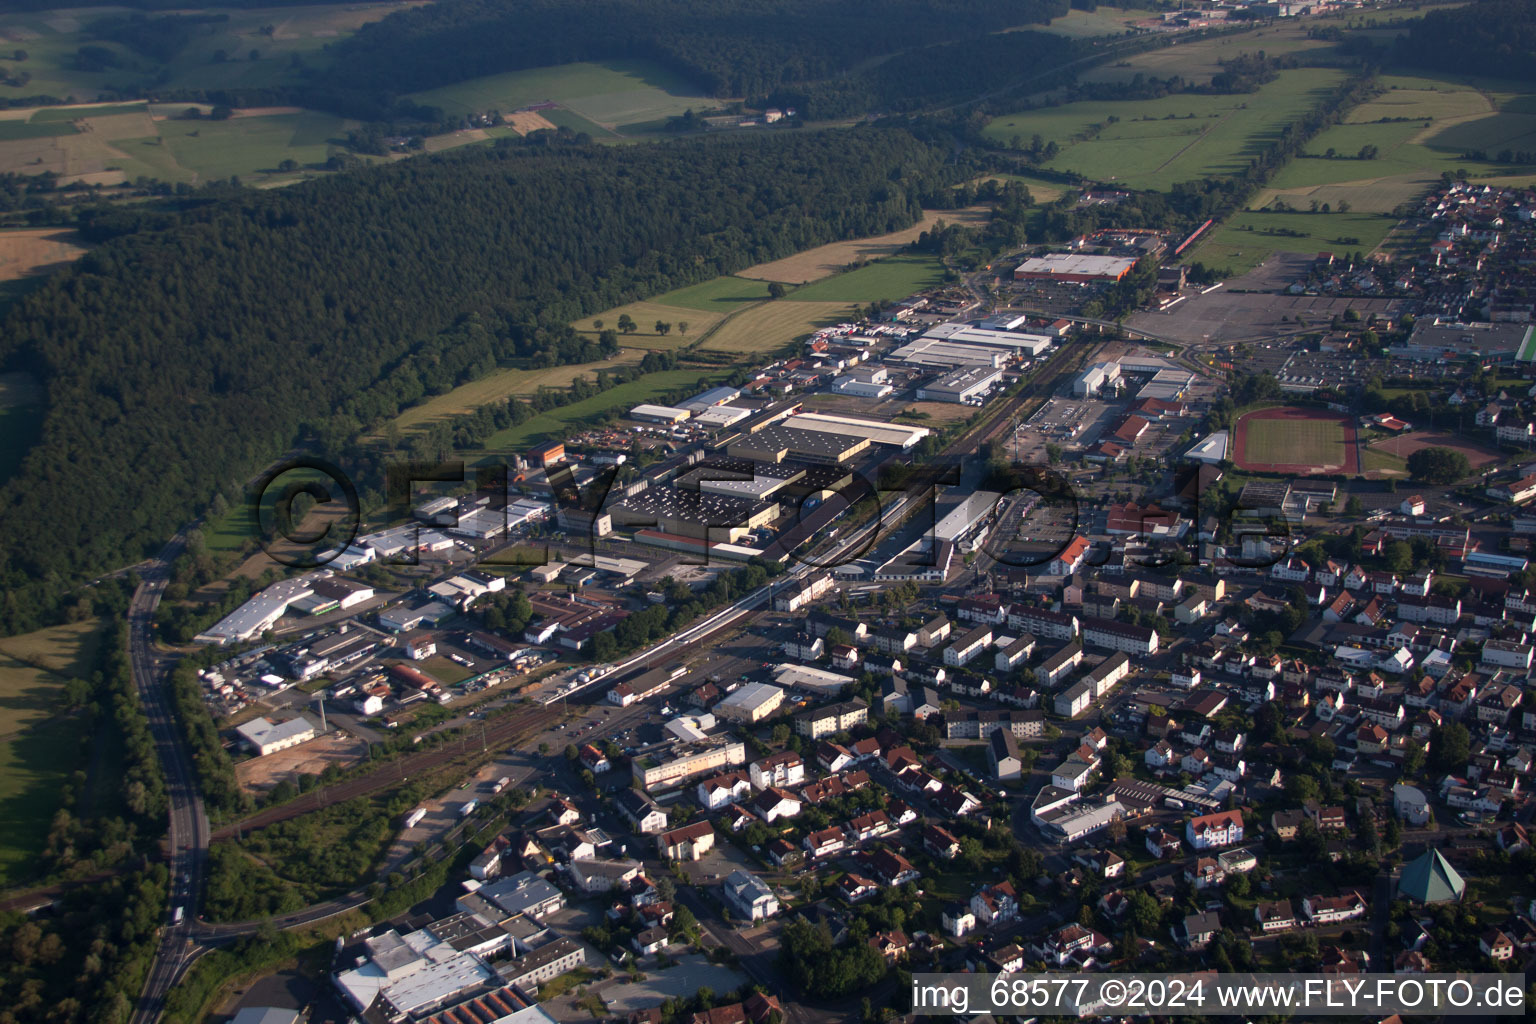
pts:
[507, 729]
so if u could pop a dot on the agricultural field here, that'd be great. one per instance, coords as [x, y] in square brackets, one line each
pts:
[773, 325]
[826, 260]
[886, 280]
[1198, 60]
[646, 315]
[1245, 241]
[37, 741]
[623, 96]
[498, 385]
[108, 145]
[1156, 143]
[562, 421]
[1105, 21]
[720, 295]
[1421, 128]
[51, 39]
[22, 401]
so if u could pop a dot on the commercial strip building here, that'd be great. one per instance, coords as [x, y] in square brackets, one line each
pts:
[1058, 266]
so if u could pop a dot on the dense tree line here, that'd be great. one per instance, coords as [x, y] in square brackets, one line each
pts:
[1497, 37]
[222, 795]
[85, 963]
[189, 349]
[682, 606]
[951, 72]
[729, 47]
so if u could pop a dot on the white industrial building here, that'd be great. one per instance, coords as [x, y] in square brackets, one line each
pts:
[898, 435]
[711, 398]
[1211, 450]
[961, 521]
[939, 353]
[753, 702]
[861, 388]
[265, 736]
[965, 385]
[805, 677]
[721, 415]
[1095, 379]
[648, 413]
[1017, 344]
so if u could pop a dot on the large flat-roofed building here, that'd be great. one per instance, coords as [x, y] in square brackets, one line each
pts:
[964, 385]
[710, 399]
[753, 702]
[265, 736]
[961, 519]
[1060, 266]
[776, 443]
[692, 514]
[1435, 338]
[647, 413]
[1095, 379]
[1018, 344]
[896, 435]
[721, 416]
[940, 353]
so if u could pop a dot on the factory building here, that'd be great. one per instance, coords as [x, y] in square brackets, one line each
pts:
[710, 399]
[1071, 267]
[721, 416]
[693, 514]
[776, 443]
[896, 435]
[963, 519]
[938, 353]
[965, 385]
[1095, 379]
[647, 413]
[1015, 344]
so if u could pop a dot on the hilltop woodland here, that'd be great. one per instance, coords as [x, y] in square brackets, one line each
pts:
[740, 48]
[305, 316]
[1496, 37]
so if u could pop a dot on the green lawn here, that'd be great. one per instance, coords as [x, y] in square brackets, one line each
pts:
[561, 422]
[611, 94]
[1156, 143]
[893, 278]
[247, 145]
[1104, 21]
[33, 130]
[1245, 241]
[721, 295]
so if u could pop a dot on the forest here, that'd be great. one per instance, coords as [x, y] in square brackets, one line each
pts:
[301, 317]
[736, 48]
[1497, 37]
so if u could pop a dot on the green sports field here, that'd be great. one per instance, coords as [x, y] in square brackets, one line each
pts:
[1293, 442]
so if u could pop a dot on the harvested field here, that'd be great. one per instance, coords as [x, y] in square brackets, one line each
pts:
[463, 137]
[37, 251]
[136, 125]
[826, 260]
[773, 325]
[260, 774]
[1297, 441]
[525, 121]
[1404, 445]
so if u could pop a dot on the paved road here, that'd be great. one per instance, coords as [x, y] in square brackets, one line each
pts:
[188, 830]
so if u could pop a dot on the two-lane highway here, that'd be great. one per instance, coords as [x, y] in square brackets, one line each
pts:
[188, 833]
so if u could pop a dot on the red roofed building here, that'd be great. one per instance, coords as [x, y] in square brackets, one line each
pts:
[1222, 828]
[1070, 559]
[1130, 428]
